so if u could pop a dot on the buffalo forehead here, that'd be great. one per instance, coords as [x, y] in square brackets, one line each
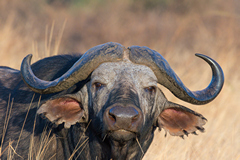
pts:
[120, 71]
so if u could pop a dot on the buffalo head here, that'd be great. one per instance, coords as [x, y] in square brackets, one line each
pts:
[120, 98]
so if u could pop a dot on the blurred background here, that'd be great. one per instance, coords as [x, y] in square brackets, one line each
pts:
[175, 28]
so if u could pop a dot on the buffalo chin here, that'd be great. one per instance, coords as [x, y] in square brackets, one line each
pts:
[120, 141]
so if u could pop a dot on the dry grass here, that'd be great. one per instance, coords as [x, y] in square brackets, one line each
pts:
[208, 28]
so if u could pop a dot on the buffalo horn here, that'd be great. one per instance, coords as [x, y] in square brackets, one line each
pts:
[168, 78]
[108, 52]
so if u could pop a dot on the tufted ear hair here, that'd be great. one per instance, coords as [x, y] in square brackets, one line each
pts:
[179, 120]
[63, 110]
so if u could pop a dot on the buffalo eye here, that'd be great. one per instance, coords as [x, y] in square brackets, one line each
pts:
[150, 89]
[98, 85]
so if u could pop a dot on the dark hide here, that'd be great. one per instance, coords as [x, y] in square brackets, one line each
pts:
[76, 126]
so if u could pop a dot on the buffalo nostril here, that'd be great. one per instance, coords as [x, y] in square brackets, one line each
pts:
[112, 117]
[135, 118]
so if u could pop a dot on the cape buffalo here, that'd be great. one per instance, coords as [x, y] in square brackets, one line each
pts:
[104, 104]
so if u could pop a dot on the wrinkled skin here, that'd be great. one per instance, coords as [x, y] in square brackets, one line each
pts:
[94, 112]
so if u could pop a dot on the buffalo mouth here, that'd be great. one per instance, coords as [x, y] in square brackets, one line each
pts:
[121, 135]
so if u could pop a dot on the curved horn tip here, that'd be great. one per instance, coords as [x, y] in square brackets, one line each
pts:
[28, 58]
[26, 61]
[203, 56]
[218, 75]
[200, 55]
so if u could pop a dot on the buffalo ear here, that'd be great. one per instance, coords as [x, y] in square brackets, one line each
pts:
[63, 109]
[179, 120]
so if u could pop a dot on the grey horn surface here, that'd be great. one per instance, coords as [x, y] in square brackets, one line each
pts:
[168, 78]
[108, 52]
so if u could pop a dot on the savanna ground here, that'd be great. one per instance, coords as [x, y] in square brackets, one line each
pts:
[176, 29]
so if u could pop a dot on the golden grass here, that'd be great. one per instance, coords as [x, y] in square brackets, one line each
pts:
[212, 29]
